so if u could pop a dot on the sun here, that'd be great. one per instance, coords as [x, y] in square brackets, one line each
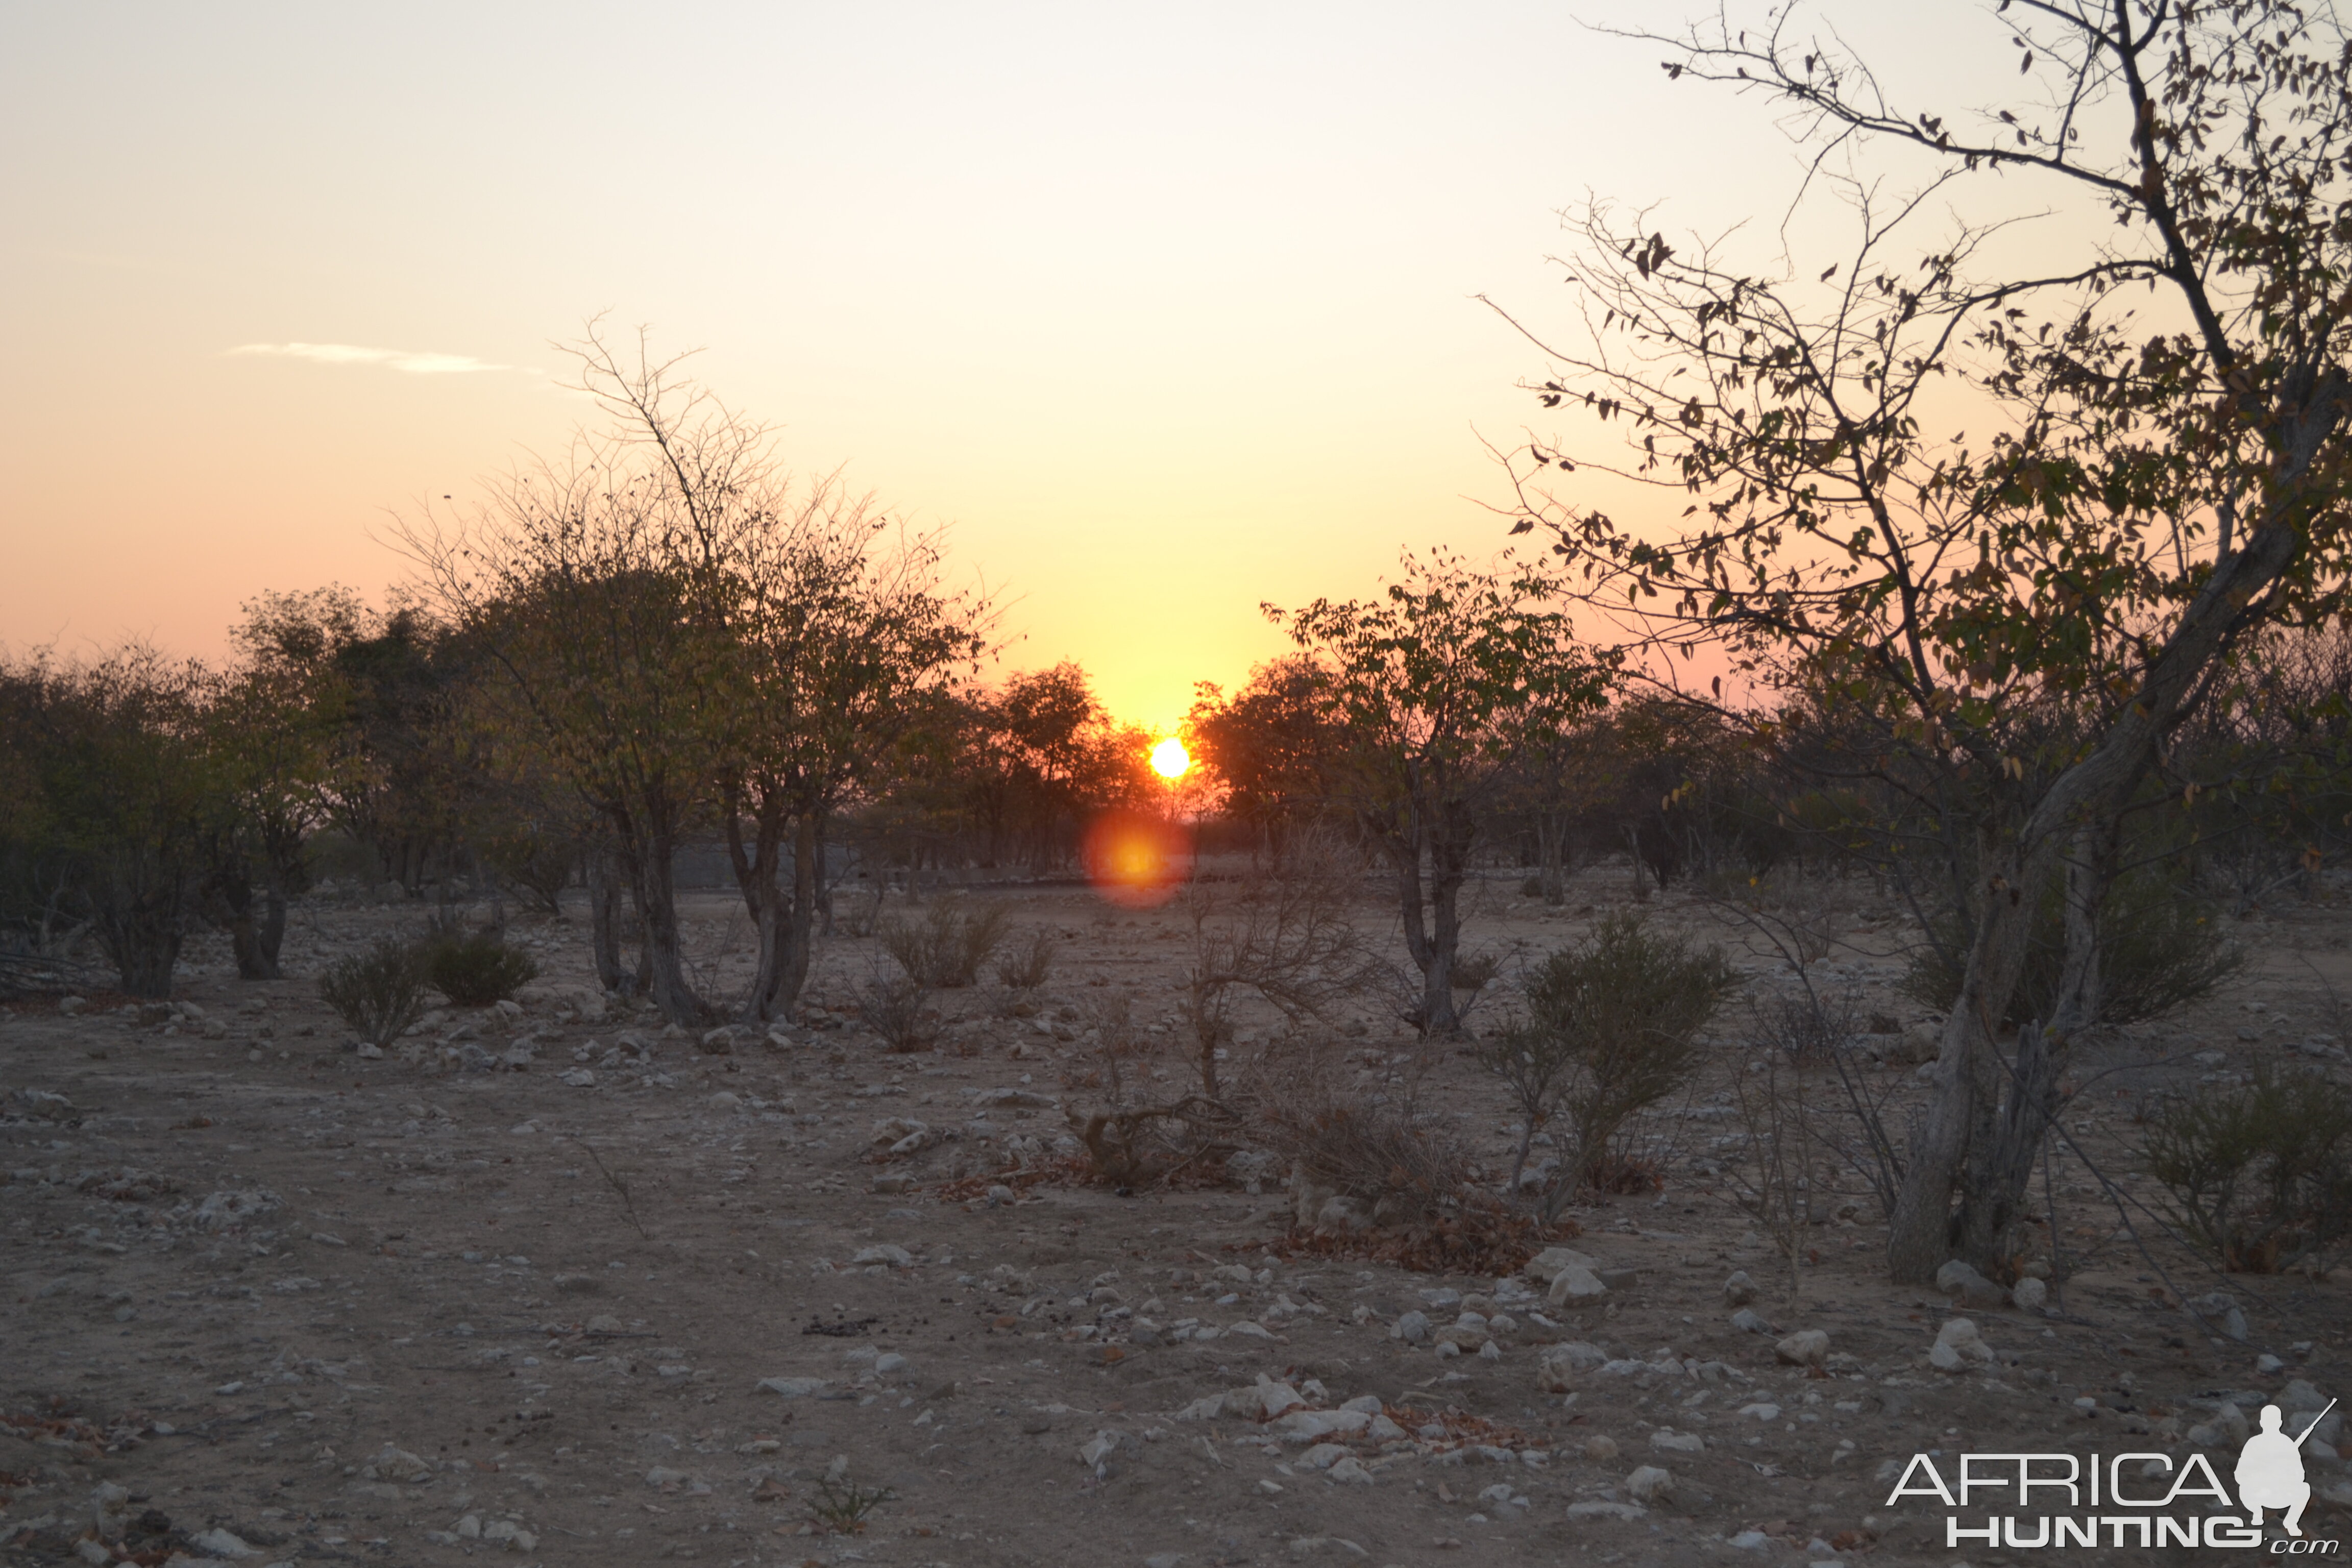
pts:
[1170, 759]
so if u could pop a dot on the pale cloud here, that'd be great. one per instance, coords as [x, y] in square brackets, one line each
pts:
[390, 359]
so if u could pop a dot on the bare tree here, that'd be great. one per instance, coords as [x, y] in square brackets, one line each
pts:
[2153, 491]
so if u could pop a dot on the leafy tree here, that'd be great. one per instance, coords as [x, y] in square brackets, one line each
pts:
[692, 637]
[1270, 747]
[129, 798]
[1430, 684]
[2036, 611]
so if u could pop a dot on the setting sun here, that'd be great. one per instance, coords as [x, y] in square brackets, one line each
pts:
[1170, 759]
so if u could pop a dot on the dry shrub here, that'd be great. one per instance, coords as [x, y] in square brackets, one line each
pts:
[1402, 1184]
[1133, 1141]
[944, 951]
[1025, 965]
[899, 1009]
[1282, 935]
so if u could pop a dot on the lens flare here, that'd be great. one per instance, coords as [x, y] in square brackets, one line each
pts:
[1136, 862]
[1170, 759]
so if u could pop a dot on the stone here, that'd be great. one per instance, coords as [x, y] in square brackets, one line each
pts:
[1313, 1425]
[1651, 1484]
[1596, 1509]
[219, 1542]
[109, 1510]
[1575, 1286]
[1969, 1288]
[1959, 1347]
[1806, 1347]
[792, 1387]
[1674, 1441]
[1545, 1266]
[1739, 1290]
[393, 1464]
[2221, 1314]
[2030, 1294]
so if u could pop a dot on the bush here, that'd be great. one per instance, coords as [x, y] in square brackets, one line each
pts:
[475, 971]
[947, 950]
[1611, 1029]
[2261, 1178]
[1025, 965]
[2160, 948]
[378, 993]
[899, 1009]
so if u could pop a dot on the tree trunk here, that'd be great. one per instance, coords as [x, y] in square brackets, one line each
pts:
[604, 922]
[1551, 857]
[646, 849]
[1922, 1232]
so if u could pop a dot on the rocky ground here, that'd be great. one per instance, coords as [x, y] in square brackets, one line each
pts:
[570, 1289]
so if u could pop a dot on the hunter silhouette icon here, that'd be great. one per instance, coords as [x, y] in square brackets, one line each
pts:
[2270, 1471]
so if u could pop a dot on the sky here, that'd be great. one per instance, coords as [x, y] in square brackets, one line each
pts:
[1160, 311]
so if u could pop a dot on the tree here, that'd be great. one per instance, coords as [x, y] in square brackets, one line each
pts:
[2034, 613]
[1270, 746]
[691, 636]
[1427, 683]
[127, 798]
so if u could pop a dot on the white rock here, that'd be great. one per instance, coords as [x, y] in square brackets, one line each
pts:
[221, 1543]
[1575, 1285]
[1959, 1346]
[1311, 1426]
[1545, 1266]
[1606, 1510]
[792, 1387]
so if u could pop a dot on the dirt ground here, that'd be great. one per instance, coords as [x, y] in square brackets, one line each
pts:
[627, 1300]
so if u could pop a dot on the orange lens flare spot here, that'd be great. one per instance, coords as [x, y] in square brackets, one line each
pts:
[1135, 861]
[1170, 759]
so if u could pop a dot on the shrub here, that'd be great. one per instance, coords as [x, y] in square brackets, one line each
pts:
[899, 1009]
[2261, 1178]
[947, 950]
[379, 993]
[2158, 948]
[1611, 1029]
[1396, 1160]
[475, 971]
[1023, 967]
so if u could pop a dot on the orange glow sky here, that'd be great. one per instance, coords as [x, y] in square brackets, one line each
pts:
[1164, 310]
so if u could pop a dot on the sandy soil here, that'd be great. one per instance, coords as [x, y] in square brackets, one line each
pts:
[308, 1307]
